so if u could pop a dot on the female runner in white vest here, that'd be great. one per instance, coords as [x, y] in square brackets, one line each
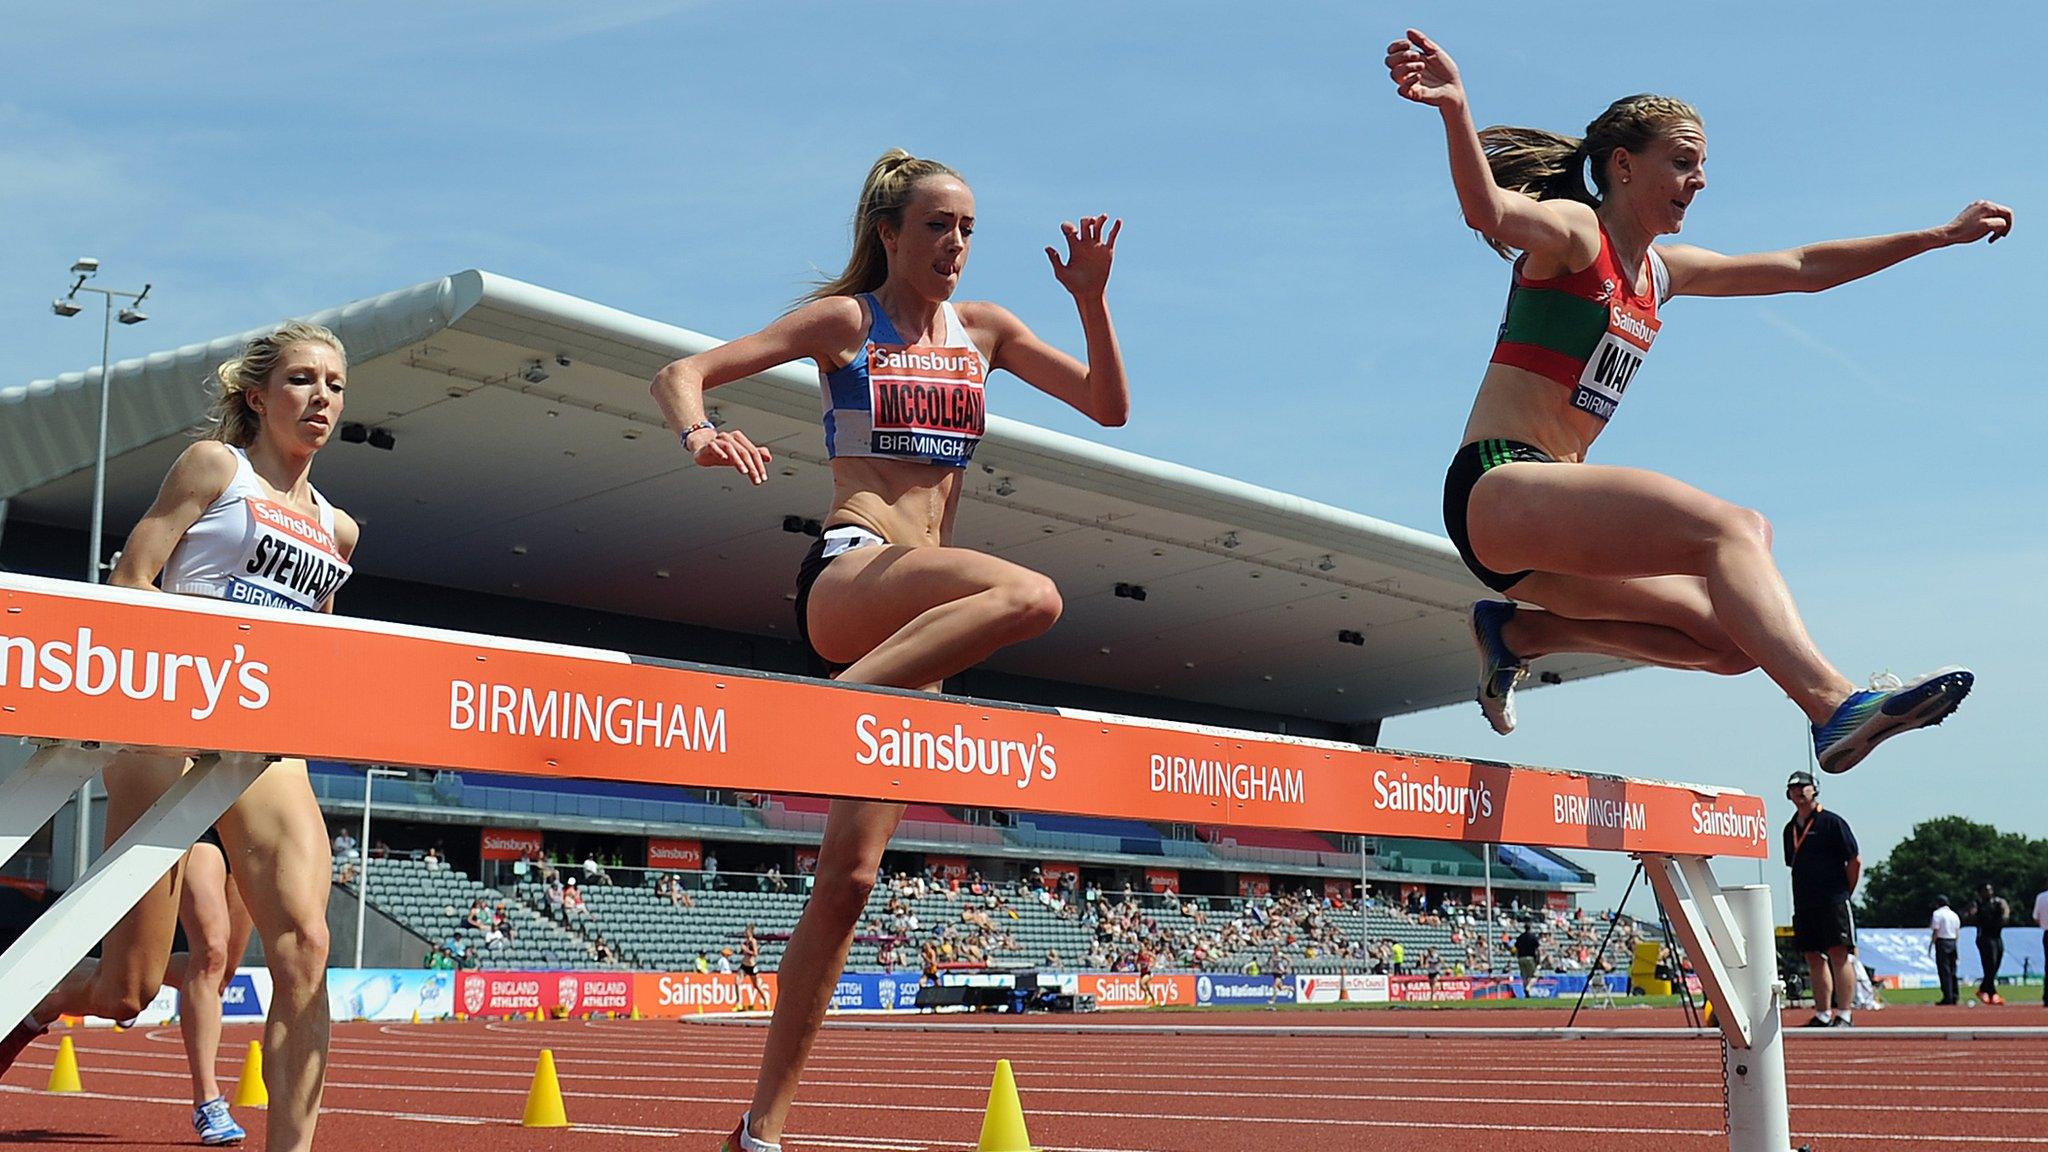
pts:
[238, 519]
[884, 598]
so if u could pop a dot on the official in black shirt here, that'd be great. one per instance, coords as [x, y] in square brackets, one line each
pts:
[1528, 950]
[1826, 867]
[1989, 915]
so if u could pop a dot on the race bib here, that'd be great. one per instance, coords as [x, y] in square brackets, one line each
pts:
[290, 561]
[1614, 361]
[927, 402]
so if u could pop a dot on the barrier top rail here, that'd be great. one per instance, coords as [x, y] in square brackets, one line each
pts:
[96, 664]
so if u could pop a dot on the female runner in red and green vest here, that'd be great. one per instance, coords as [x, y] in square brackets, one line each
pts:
[1623, 561]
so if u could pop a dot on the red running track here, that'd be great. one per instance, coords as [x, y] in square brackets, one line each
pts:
[629, 1085]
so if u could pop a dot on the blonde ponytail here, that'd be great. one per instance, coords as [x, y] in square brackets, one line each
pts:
[883, 196]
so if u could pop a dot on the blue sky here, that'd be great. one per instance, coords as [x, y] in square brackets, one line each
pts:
[1299, 304]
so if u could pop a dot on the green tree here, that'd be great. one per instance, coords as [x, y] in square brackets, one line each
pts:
[1951, 856]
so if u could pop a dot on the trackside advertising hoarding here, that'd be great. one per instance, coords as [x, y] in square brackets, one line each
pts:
[88, 662]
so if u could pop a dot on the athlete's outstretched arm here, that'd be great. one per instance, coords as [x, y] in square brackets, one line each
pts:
[819, 330]
[1562, 230]
[1816, 267]
[1097, 389]
[202, 472]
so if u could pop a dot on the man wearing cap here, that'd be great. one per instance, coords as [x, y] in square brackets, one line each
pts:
[1822, 853]
[1945, 928]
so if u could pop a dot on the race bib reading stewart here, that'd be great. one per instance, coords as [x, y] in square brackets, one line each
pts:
[289, 560]
[927, 402]
[1614, 360]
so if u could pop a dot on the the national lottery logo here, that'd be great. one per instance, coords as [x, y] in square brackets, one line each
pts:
[473, 996]
[1204, 988]
[888, 990]
[566, 991]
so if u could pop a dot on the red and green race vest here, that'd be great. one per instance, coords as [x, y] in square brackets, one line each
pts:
[1586, 330]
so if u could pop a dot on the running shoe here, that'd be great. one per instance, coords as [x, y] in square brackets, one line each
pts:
[1818, 1022]
[1841, 1022]
[1499, 669]
[215, 1126]
[13, 1044]
[742, 1141]
[1867, 719]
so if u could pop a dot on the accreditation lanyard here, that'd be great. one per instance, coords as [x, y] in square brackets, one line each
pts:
[1799, 834]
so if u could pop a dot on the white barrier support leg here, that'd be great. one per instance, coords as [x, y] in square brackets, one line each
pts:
[67, 931]
[1729, 935]
[38, 789]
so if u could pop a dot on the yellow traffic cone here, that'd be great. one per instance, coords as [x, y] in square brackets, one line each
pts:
[544, 1098]
[64, 1073]
[1002, 1129]
[249, 1090]
[636, 1013]
[415, 1015]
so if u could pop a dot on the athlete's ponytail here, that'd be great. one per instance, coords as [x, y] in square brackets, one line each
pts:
[230, 419]
[1551, 166]
[883, 197]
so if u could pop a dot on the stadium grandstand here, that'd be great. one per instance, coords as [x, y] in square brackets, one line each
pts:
[513, 477]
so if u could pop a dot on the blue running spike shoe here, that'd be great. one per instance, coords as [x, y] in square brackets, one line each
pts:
[1499, 669]
[1867, 719]
[215, 1126]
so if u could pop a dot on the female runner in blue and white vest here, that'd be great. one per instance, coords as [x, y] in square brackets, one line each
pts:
[237, 519]
[883, 597]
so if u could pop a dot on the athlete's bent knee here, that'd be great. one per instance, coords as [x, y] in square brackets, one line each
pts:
[1031, 604]
[1746, 526]
[843, 895]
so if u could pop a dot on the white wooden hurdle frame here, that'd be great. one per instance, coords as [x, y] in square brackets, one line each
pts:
[1728, 931]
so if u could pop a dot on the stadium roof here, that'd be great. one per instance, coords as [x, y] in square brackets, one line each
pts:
[563, 486]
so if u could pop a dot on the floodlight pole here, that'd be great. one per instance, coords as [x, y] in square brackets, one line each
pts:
[81, 850]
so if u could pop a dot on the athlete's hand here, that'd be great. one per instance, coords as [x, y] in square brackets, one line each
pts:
[1982, 218]
[1424, 73]
[1089, 255]
[734, 450]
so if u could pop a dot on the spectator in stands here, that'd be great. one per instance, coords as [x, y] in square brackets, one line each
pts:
[703, 964]
[710, 871]
[433, 860]
[602, 951]
[724, 962]
[887, 956]
[572, 899]
[1944, 931]
[348, 872]
[1528, 953]
[1989, 914]
[549, 874]
[344, 844]
[775, 881]
[381, 852]
[593, 872]
[553, 892]
[1826, 865]
[477, 917]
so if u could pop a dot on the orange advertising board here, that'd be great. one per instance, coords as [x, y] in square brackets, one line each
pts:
[1126, 990]
[79, 662]
[669, 995]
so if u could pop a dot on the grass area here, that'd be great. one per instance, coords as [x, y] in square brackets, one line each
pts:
[2010, 988]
